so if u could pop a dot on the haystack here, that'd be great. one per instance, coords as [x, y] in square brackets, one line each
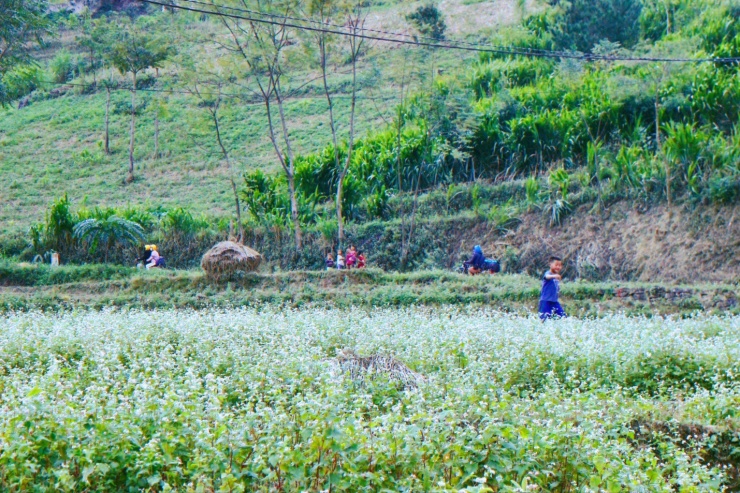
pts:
[227, 258]
[359, 367]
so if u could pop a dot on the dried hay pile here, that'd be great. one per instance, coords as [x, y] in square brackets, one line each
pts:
[359, 367]
[227, 258]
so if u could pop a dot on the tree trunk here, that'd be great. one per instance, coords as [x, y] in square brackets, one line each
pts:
[92, 67]
[107, 120]
[156, 134]
[294, 211]
[350, 147]
[130, 177]
[238, 210]
[290, 173]
[225, 152]
[332, 126]
[667, 18]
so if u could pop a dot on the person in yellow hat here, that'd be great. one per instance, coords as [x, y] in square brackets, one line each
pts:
[144, 259]
[154, 258]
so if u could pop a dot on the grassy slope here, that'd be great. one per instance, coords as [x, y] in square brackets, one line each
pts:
[24, 287]
[54, 146]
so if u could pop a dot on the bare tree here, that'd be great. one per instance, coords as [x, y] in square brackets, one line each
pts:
[135, 52]
[212, 100]
[109, 85]
[324, 11]
[262, 47]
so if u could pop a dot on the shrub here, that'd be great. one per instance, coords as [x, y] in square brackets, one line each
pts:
[108, 232]
[725, 190]
[62, 67]
[20, 81]
[584, 23]
[428, 20]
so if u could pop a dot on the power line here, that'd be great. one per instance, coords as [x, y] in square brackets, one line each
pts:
[365, 36]
[437, 44]
[519, 50]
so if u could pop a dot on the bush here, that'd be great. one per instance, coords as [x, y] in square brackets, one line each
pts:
[62, 67]
[428, 20]
[724, 190]
[584, 23]
[20, 81]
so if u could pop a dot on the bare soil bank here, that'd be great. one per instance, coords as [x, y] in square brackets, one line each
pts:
[627, 242]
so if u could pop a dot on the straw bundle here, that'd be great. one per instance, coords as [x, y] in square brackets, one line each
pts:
[227, 258]
[359, 367]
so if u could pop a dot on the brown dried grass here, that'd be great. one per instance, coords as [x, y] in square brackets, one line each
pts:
[227, 258]
[360, 367]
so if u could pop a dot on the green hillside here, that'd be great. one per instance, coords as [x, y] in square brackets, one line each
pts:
[55, 144]
[547, 121]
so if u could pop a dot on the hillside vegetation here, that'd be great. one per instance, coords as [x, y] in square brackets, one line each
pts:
[455, 145]
[55, 144]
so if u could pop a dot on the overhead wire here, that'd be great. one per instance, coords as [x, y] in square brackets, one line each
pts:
[522, 50]
[429, 44]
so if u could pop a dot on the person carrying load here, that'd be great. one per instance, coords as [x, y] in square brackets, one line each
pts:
[479, 263]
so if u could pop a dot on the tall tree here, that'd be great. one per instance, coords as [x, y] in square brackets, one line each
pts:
[135, 51]
[209, 91]
[94, 39]
[261, 48]
[21, 21]
[324, 12]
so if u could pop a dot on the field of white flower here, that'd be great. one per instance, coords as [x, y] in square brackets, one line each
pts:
[254, 400]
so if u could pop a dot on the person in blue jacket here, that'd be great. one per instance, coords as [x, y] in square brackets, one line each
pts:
[477, 262]
[550, 306]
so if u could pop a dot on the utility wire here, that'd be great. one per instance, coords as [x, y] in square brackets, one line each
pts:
[437, 44]
[520, 50]
[365, 36]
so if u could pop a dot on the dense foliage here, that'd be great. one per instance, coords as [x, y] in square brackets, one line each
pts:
[643, 130]
[573, 131]
[21, 22]
[246, 400]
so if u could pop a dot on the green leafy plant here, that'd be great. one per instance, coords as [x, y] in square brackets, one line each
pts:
[57, 231]
[559, 206]
[62, 67]
[476, 199]
[503, 217]
[377, 203]
[108, 232]
[532, 190]
[180, 222]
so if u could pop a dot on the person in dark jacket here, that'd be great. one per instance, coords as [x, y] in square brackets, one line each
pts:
[478, 262]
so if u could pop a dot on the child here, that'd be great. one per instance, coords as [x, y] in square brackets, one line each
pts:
[330, 261]
[340, 260]
[360, 260]
[549, 305]
[351, 257]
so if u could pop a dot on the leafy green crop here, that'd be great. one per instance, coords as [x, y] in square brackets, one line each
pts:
[254, 400]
